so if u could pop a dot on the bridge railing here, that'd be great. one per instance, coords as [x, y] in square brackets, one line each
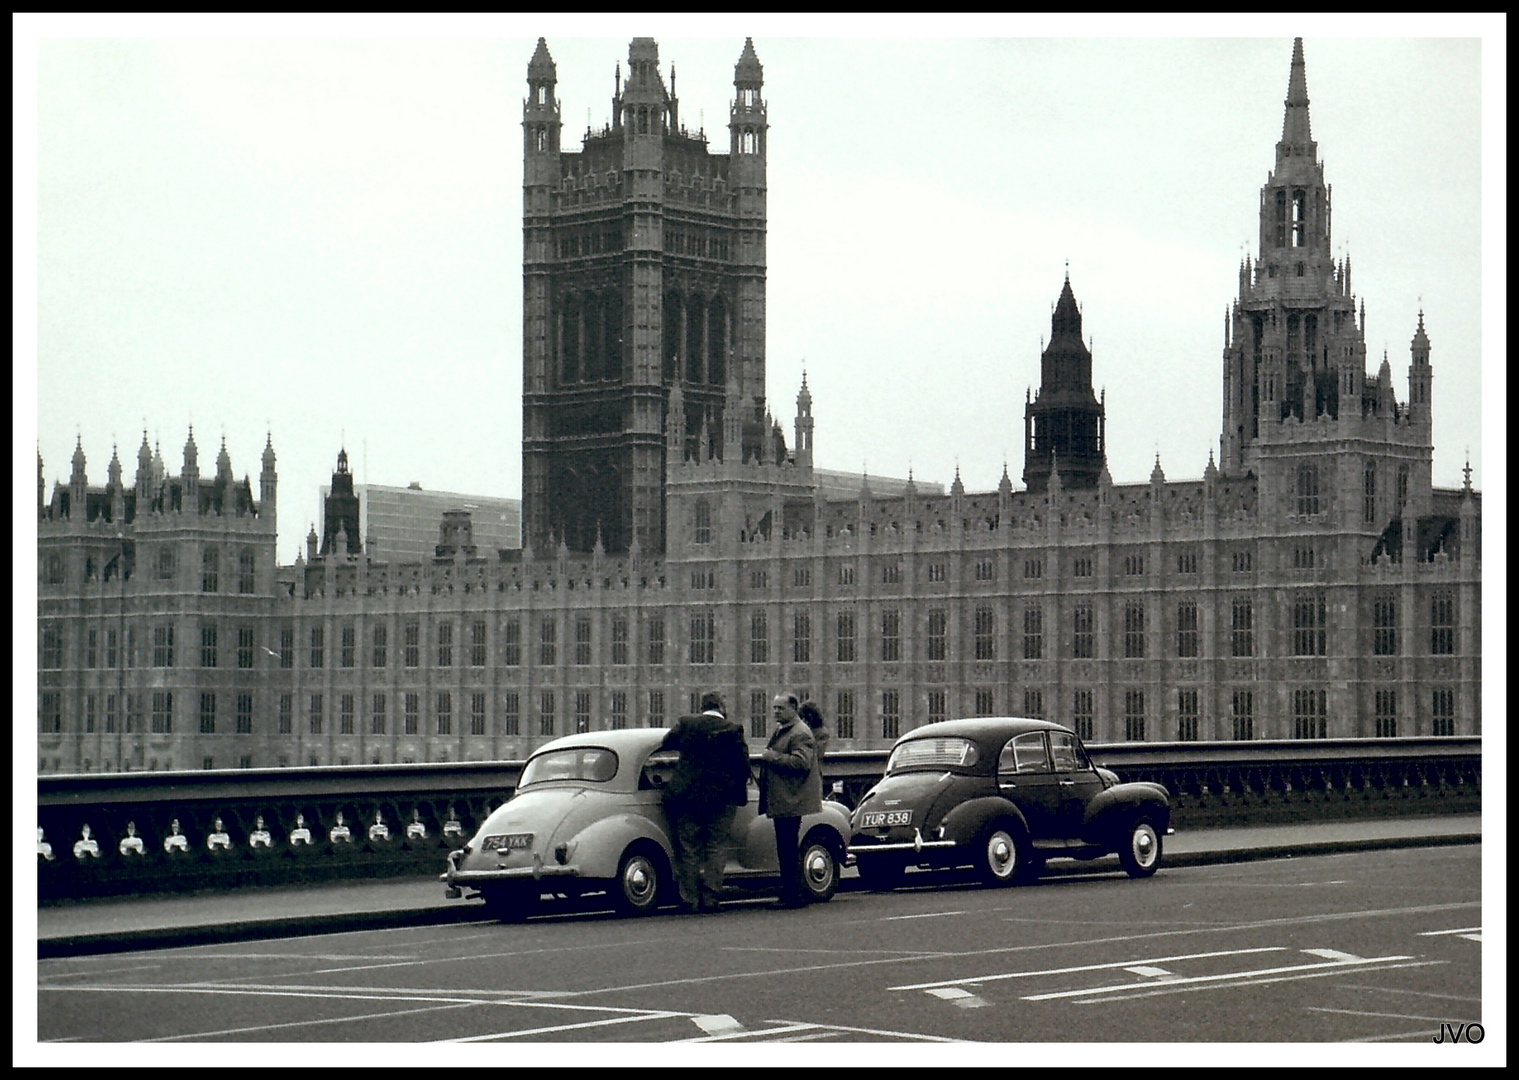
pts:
[106, 833]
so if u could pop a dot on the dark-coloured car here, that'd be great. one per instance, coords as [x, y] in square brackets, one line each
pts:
[1001, 794]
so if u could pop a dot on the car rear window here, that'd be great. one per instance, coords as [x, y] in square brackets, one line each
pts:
[952, 753]
[592, 764]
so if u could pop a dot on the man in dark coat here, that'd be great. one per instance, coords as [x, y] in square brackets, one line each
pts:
[789, 790]
[709, 784]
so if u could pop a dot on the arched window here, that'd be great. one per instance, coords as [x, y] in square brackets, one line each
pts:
[1281, 220]
[1307, 489]
[703, 522]
[717, 342]
[1299, 220]
[569, 341]
[543, 137]
[695, 323]
[672, 320]
[643, 121]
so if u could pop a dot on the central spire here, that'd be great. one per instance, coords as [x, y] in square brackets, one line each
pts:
[1297, 136]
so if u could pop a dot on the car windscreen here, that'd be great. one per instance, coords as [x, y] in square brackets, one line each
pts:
[952, 753]
[591, 764]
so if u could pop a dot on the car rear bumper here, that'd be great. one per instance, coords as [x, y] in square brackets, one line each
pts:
[454, 878]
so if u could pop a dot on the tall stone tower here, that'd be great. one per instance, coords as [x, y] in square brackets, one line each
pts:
[1065, 426]
[1323, 437]
[643, 270]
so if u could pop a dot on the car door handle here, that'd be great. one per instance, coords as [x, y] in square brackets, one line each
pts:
[1067, 783]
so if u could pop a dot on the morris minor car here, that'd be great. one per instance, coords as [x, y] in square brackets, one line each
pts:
[1002, 795]
[588, 817]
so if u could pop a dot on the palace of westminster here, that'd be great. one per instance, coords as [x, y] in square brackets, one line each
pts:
[1313, 584]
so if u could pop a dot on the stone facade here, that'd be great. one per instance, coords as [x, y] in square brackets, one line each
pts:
[1311, 584]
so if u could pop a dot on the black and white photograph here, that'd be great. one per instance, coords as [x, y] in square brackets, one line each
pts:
[723, 531]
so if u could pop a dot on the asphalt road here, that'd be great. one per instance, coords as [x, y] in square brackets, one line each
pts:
[1363, 947]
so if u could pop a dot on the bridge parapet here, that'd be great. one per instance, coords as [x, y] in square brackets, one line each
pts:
[102, 834]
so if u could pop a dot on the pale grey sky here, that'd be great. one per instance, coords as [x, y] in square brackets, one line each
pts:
[319, 235]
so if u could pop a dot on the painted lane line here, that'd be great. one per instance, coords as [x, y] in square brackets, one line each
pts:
[1416, 993]
[1199, 980]
[758, 1034]
[1142, 990]
[813, 1037]
[1390, 1016]
[1473, 937]
[106, 971]
[1335, 954]
[1442, 933]
[1088, 967]
[328, 994]
[1151, 971]
[719, 1024]
[582, 1026]
[926, 915]
[1420, 1035]
[908, 1035]
[303, 1023]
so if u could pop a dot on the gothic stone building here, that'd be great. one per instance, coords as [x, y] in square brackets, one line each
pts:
[1312, 584]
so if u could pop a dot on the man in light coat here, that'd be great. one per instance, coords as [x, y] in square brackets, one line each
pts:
[787, 793]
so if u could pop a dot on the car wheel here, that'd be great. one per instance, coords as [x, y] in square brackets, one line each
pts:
[1004, 854]
[1140, 856]
[510, 903]
[820, 869]
[640, 881]
[881, 873]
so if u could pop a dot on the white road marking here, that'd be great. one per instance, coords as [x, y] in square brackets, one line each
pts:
[760, 1033]
[1473, 937]
[1141, 990]
[876, 1031]
[1442, 933]
[294, 956]
[1198, 980]
[720, 1024]
[1335, 954]
[1421, 1035]
[305, 1023]
[1152, 972]
[104, 971]
[1418, 993]
[1087, 967]
[813, 1037]
[1390, 1016]
[960, 997]
[928, 915]
[608, 1022]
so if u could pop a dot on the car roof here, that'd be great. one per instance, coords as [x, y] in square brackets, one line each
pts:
[983, 729]
[625, 741]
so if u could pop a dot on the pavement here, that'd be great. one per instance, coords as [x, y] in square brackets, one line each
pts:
[121, 924]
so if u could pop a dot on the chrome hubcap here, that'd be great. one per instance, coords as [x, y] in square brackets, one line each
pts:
[1144, 845]
[637, 880]
[819, 867]
[1002, 853]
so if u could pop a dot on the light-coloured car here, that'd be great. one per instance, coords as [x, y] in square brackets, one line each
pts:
[588, 817]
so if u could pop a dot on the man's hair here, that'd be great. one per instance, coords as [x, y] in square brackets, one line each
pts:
[712, 700]
[791, 699]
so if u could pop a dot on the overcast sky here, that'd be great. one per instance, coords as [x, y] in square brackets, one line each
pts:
[320, 236]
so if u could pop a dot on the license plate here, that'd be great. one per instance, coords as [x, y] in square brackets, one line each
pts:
[509, 842]
[879, 818]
